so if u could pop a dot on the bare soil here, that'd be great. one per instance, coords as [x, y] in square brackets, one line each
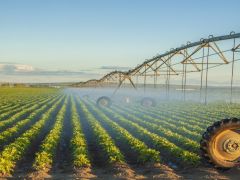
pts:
[124, 171]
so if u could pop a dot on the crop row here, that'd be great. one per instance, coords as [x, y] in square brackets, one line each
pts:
[157, 142]
[144, 154]
[23, 124]
[11, 107]
[166, 133]
[163, 122]
[44, 157]
[21, 108]
[102, 138]
[78, 141]
[170, 134]
[15, 151]
[173, 116]
[21, 114]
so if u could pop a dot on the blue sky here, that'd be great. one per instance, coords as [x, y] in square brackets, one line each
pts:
[83, 38]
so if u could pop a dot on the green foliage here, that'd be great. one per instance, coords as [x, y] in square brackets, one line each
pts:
[144, 153]
[15, 151]
[102, 138]
[157, 142]
[169, 134]
[44, 157]
[170, 130]
[8, 133]
[78, 143]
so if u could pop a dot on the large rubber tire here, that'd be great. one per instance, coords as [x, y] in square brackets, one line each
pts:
[148, 102]
[220, 144]
[104, 101]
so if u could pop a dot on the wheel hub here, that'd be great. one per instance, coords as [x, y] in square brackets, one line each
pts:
[231, 146]
[103, 102]
[220, 145]
[227, 145]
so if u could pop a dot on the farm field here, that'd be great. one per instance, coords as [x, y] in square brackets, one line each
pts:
[51, 133]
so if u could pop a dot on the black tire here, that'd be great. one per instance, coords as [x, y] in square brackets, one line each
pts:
[148, 102]
[214, 145]
[104, 101]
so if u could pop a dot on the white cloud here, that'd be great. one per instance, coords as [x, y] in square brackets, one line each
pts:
[13, 72]
[11, 68]
[24, 68]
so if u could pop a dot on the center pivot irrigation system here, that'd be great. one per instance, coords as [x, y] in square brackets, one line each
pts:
[220, 144]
